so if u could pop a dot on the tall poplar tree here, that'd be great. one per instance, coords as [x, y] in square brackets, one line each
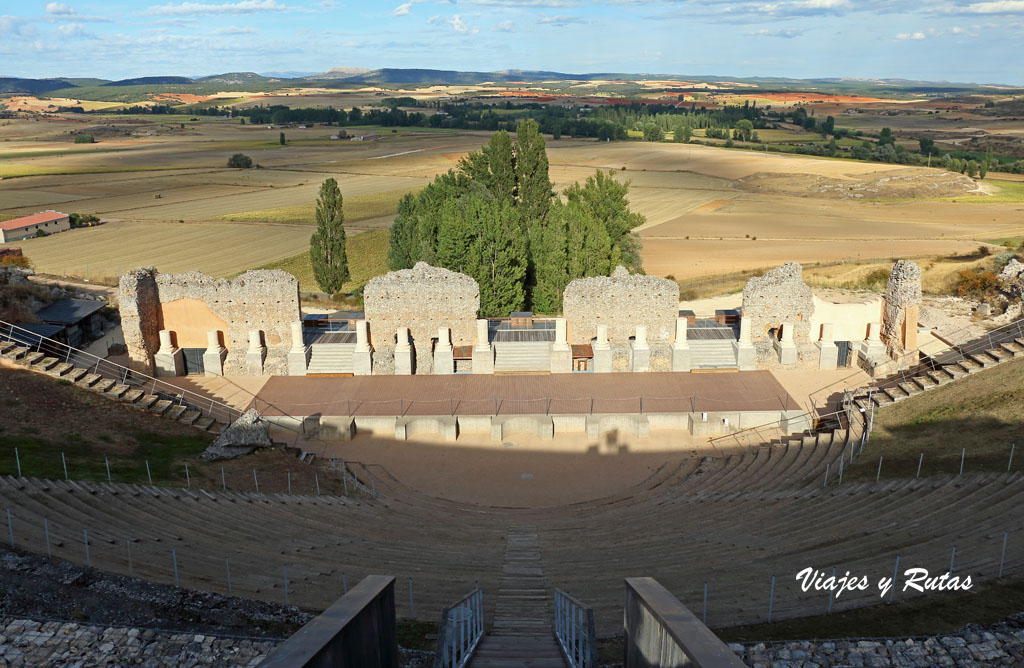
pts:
[327, 245]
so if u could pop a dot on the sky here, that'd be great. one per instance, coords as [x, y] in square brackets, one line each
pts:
[937, 40]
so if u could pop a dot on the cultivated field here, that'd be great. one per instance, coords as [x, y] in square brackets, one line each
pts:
[149, 177]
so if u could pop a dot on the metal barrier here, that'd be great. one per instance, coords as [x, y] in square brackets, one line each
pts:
[660, 632]
[461, 627]
[575, 630]
[357, 630]
[65, 354]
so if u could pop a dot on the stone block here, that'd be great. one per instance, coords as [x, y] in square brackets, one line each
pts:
[483, 360]
[828, 355]
[639, 357]
[362, 362]
[786, 352]
[404, 361]
[254, 361]
[298, 361]
[444, 361]
[746, 356]
[169, 363]
[680, 357]
[561, 360]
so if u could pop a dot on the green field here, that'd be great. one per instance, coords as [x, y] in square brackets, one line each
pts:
[367, 257]
[356, 207]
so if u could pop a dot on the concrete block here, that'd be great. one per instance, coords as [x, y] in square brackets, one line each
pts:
[602, 360]
[477, 424]
[379, 425]
[503, 426]
[561, 360]
[483, 360]
[440, 425]
[169, 363]
[786, 350]
[570, 424]
[444, 357]
[339, 428]
[795, 421]
[828, 355]
[404, 362]
[634, 425]
[639, 356]
[746, 356]
[213, 361]
[362, 362]
[680, 357]
[254, 361]
[669, 420]
[298, 361]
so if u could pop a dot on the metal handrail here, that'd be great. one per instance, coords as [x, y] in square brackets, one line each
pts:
[575, 630]
[461, 627]
[113, 371]
[777, 425]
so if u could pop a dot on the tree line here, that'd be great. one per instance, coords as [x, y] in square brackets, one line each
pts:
[497, 218]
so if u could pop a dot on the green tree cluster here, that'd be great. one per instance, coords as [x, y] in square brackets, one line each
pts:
[240, 161]
[497, 218]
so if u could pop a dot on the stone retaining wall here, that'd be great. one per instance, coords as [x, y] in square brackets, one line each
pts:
[779, 296]
[622, 301]
[424, 299]
[257, 300]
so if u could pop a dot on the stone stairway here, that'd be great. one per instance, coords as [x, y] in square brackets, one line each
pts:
[521, 636]
[522, 356]
[157, 404]
[711, 353]
[902, 386]
[331, 358]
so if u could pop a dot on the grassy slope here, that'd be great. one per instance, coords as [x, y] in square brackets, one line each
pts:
[981, 413]
[367, 257]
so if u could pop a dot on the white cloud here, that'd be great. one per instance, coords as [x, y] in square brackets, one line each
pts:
[60, 9]
[526, 3]
[504, 26]
[11, 25]
[911, 36]
[996, 7]
[240, 7]
[787, 33]
[74, 31]
[562, 20]
[460, 26]
[402, 9]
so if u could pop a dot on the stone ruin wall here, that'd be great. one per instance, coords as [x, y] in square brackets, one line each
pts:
[424, 299]
[263, 300]
[622, 301]
[777, 297]
[902, 298]
[140, 316]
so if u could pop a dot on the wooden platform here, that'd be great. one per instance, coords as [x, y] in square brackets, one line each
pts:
[558, 394]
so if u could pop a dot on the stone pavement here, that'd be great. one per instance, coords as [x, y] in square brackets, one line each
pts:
[1000, 647]
[30, 643]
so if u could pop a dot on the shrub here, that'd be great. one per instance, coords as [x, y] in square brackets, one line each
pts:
[84, 139]
[40, 234]
[240, 161]
[15, 261]
[975, 283]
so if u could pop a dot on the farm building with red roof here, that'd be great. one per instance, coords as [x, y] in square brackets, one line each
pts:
[26, 227]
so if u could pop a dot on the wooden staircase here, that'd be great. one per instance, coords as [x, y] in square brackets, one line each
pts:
[521, 636]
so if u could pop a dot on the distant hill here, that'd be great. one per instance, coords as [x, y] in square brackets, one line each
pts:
[234, 78]
[149, 81]
[425, 76]
[32, 86]
[85, 81]
[339, 73]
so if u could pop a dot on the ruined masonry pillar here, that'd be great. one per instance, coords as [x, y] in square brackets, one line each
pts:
[444, 360]
[746, 355]
[785, 347]
[403, 353]
[828, 352]
[680, 347]
[362, 355]
[639, 351]
[213, 358]
[602, 351]
[298, 354]
[169, 360]
[256, 354]
[483, 354]
[561, 352]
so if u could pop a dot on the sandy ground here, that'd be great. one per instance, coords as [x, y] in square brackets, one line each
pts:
[523, 472]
